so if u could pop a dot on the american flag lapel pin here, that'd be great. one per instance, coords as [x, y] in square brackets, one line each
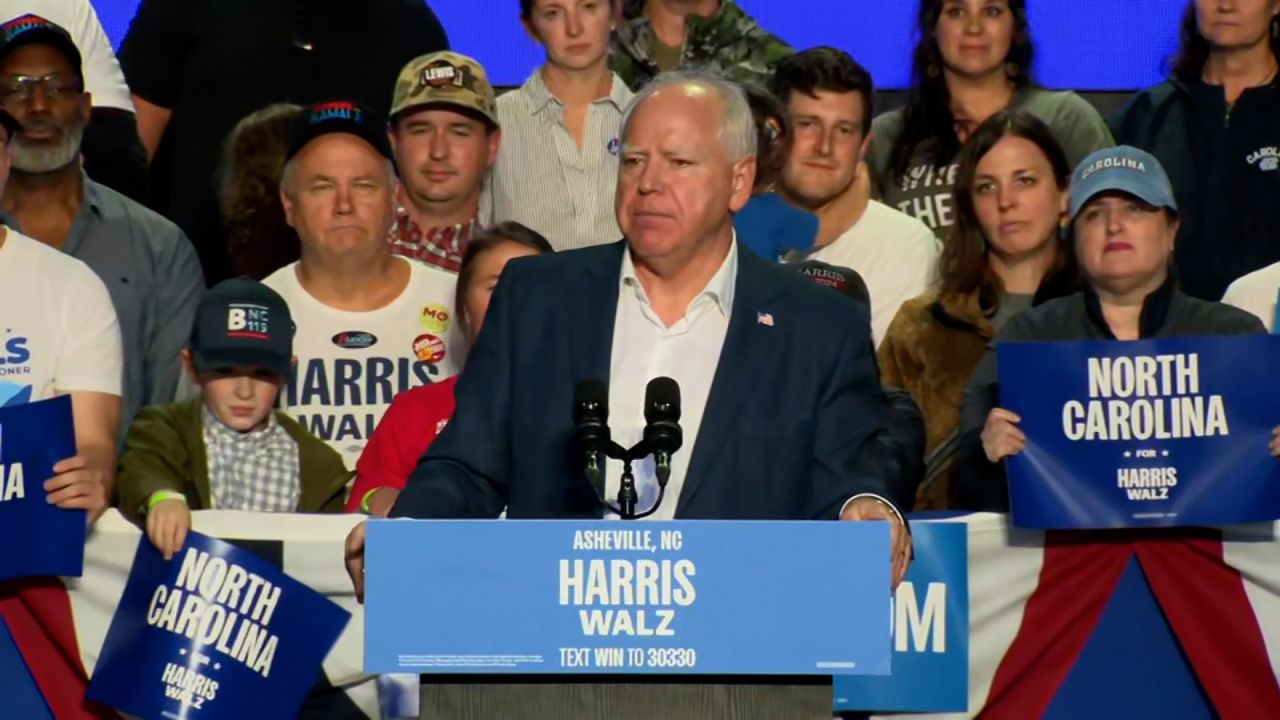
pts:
[764, 318]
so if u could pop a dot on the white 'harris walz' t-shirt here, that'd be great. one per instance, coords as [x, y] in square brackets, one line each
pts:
[351, 364]
[58, 329]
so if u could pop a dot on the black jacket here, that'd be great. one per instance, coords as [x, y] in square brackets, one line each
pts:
[899, 446]
[1167, 312]
[1224, 164]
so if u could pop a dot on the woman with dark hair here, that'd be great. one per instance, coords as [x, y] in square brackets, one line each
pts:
[1005, 254]
[1215, 126]
[415, 417]
[972, 59]
[1124, 219]
[768, 224]
[259, 241]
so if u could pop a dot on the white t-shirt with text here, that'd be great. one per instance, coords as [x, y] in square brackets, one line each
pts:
[351, 364]
[896, 255]
[58, 328]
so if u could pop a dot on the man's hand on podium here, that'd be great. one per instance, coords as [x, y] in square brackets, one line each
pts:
[355, 559]
[863, 508]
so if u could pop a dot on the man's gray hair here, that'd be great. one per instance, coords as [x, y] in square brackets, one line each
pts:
[737, 125]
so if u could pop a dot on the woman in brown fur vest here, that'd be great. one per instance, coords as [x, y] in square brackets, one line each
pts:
[1004, 254]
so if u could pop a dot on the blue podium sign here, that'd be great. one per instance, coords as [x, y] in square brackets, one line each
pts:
[37, 538]
[1168, 432]
[705, 597]
[930, 629]
[217, 632]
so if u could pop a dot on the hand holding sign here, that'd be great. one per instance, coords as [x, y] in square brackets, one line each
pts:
[1145, 433]
[1001, 436]
[218, 633]
[167, 526]
[77, 486]
[43, 520]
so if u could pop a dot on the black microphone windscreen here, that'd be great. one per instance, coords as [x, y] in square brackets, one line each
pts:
[590, 396]
[661, 400]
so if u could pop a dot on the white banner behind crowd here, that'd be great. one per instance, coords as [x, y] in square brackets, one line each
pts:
[1025, 599]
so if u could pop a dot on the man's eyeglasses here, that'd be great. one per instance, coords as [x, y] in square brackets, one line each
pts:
[19, 88]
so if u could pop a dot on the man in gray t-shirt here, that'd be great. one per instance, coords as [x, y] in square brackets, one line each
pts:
[148, 265]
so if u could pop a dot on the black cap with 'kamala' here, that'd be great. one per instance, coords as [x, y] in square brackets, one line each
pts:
[339, 116]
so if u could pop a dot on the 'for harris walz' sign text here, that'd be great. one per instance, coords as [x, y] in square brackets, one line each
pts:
[1154, 432]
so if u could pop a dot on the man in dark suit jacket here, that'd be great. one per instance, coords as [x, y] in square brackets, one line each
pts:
[777, 426]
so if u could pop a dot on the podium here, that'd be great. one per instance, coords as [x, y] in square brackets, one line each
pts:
[595, 619]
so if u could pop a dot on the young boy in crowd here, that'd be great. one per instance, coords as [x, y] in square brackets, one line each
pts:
[228, 449]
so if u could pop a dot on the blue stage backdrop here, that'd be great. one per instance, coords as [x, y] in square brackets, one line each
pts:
[1081, 44]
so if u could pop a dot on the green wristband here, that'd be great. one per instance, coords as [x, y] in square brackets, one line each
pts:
[160, 496]
[364, 501]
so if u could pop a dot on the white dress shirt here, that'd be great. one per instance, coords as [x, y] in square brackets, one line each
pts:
[689, 353]
[645, 348]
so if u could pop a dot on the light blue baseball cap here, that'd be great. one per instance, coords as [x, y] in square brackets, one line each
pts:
[1121, 169]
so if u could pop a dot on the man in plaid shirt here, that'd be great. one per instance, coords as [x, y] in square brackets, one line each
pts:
[228, 449]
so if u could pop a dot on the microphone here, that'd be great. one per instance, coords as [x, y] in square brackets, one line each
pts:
[662, 435]
[590, 427]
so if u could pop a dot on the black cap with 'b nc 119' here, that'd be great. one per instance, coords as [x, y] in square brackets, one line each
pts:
[339, 116]
[241, 323]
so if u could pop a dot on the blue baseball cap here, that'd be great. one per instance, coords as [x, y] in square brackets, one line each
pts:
[1121, 169]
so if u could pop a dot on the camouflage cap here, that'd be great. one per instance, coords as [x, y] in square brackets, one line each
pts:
[445, 78]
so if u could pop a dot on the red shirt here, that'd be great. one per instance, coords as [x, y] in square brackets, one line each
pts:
[406, 430]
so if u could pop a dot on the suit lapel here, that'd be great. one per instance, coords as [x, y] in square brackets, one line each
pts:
[592, 332]
[749, 342]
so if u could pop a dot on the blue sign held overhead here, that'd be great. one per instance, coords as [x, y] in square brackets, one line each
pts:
[1169, 432]
[36, 538]
[217, 632]
[706, 597]
[930, 626]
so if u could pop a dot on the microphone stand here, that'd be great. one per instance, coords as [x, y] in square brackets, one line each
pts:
[627, 494]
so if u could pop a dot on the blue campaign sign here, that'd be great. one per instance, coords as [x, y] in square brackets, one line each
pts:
[930, 627]
[708, 597]
[37, 538]
[216, 632]
[1169, 432]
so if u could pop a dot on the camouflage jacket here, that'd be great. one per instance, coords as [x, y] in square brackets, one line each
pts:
[729, 41]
